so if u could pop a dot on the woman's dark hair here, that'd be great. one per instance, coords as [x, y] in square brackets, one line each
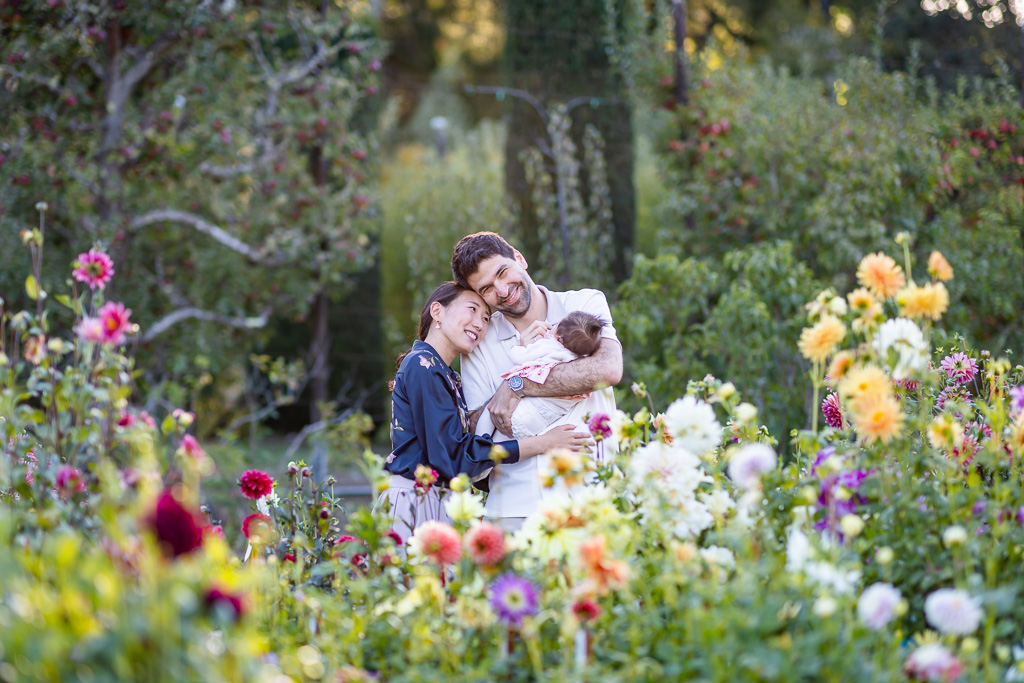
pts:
[444, 294]
[472, 249]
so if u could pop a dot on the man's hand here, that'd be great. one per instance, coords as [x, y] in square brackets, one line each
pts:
[501, 407]
[538, 329]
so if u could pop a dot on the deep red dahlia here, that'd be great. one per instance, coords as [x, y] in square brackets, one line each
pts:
[230, 604]
[176, 527]
[255, 484]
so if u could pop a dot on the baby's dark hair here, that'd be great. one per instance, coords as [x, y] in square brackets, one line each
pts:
[580, 332]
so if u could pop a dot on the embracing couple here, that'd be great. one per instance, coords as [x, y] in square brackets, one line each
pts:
[535, 364]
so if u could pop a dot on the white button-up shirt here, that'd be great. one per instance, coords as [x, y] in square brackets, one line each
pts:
[516, 489]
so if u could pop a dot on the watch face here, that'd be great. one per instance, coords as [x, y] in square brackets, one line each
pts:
[515, 382]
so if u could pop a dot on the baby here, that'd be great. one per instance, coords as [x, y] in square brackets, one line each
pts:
[577, 334]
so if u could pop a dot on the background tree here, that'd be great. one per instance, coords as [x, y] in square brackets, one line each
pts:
[556, 55]
[179, 136]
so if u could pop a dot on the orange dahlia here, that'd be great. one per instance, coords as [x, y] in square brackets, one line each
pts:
[881, 275]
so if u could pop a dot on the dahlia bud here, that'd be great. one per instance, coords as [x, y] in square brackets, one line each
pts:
[954, 535]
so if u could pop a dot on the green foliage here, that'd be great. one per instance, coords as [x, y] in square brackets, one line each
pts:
[832, 172]
[685, 319]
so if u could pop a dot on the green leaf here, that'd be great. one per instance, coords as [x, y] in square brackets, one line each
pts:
[65, 300]
[32, 287]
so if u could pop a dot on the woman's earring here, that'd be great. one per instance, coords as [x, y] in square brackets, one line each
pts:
[438, 326]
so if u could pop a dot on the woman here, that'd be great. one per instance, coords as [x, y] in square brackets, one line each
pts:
[430, 423]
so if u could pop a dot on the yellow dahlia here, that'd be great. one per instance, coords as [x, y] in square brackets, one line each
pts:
[818, 342]
[881, 275]
[1017, 434]
[878, 417]
[944, 432]
[939, 268]
[863, 382]
[930, 301]
[869, 319]
[861, 299]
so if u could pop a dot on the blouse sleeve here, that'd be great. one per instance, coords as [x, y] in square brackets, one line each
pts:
[448, 447]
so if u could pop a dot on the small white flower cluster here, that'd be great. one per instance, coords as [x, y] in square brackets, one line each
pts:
[666, 476]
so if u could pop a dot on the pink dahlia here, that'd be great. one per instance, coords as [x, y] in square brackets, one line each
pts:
[94, 268]
[960, 368]
[90, 330]
[485, 544]
[114, 320]
[69, 480]
[254, 483]
[586, 609]
[833, 411]
[600, 426]
[190, 448]
[438, 542]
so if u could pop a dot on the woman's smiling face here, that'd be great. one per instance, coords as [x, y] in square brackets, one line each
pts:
[464, 321]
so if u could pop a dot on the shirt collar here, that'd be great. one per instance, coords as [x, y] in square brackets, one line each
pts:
[419, 345]
[504, 329]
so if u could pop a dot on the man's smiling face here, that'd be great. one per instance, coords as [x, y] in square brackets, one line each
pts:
[504, 284]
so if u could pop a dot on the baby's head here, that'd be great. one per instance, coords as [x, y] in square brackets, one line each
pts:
[580, 333]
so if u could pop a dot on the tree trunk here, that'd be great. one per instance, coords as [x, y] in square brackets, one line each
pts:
[679, 32]
[320, 372]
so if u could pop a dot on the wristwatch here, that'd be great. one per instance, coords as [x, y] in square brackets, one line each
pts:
[515, 383]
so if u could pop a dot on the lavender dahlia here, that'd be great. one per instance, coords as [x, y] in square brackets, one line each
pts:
[513, 598]
[1017, 399]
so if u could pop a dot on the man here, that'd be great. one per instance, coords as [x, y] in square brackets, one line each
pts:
[487, 264]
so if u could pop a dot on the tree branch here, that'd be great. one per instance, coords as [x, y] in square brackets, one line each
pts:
[168, 321]
[224, 172]
[217, 233]
[120, 86]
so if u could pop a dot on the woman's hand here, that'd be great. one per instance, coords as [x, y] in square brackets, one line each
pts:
[563, 436]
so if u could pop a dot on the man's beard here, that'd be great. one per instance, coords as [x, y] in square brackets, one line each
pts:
[522, 306]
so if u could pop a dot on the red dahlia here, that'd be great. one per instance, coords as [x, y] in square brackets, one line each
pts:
[255, 484]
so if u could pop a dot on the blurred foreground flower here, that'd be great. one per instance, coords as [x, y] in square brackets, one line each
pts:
[513, 598]
[953, 611]
[436, 541]
[176, 527]
[877, 605]
[485, 544]
[933, 662]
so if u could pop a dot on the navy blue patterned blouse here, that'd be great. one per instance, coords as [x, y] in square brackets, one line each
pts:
[429, 423]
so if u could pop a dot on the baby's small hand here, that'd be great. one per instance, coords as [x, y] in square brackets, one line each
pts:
[535, 331]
